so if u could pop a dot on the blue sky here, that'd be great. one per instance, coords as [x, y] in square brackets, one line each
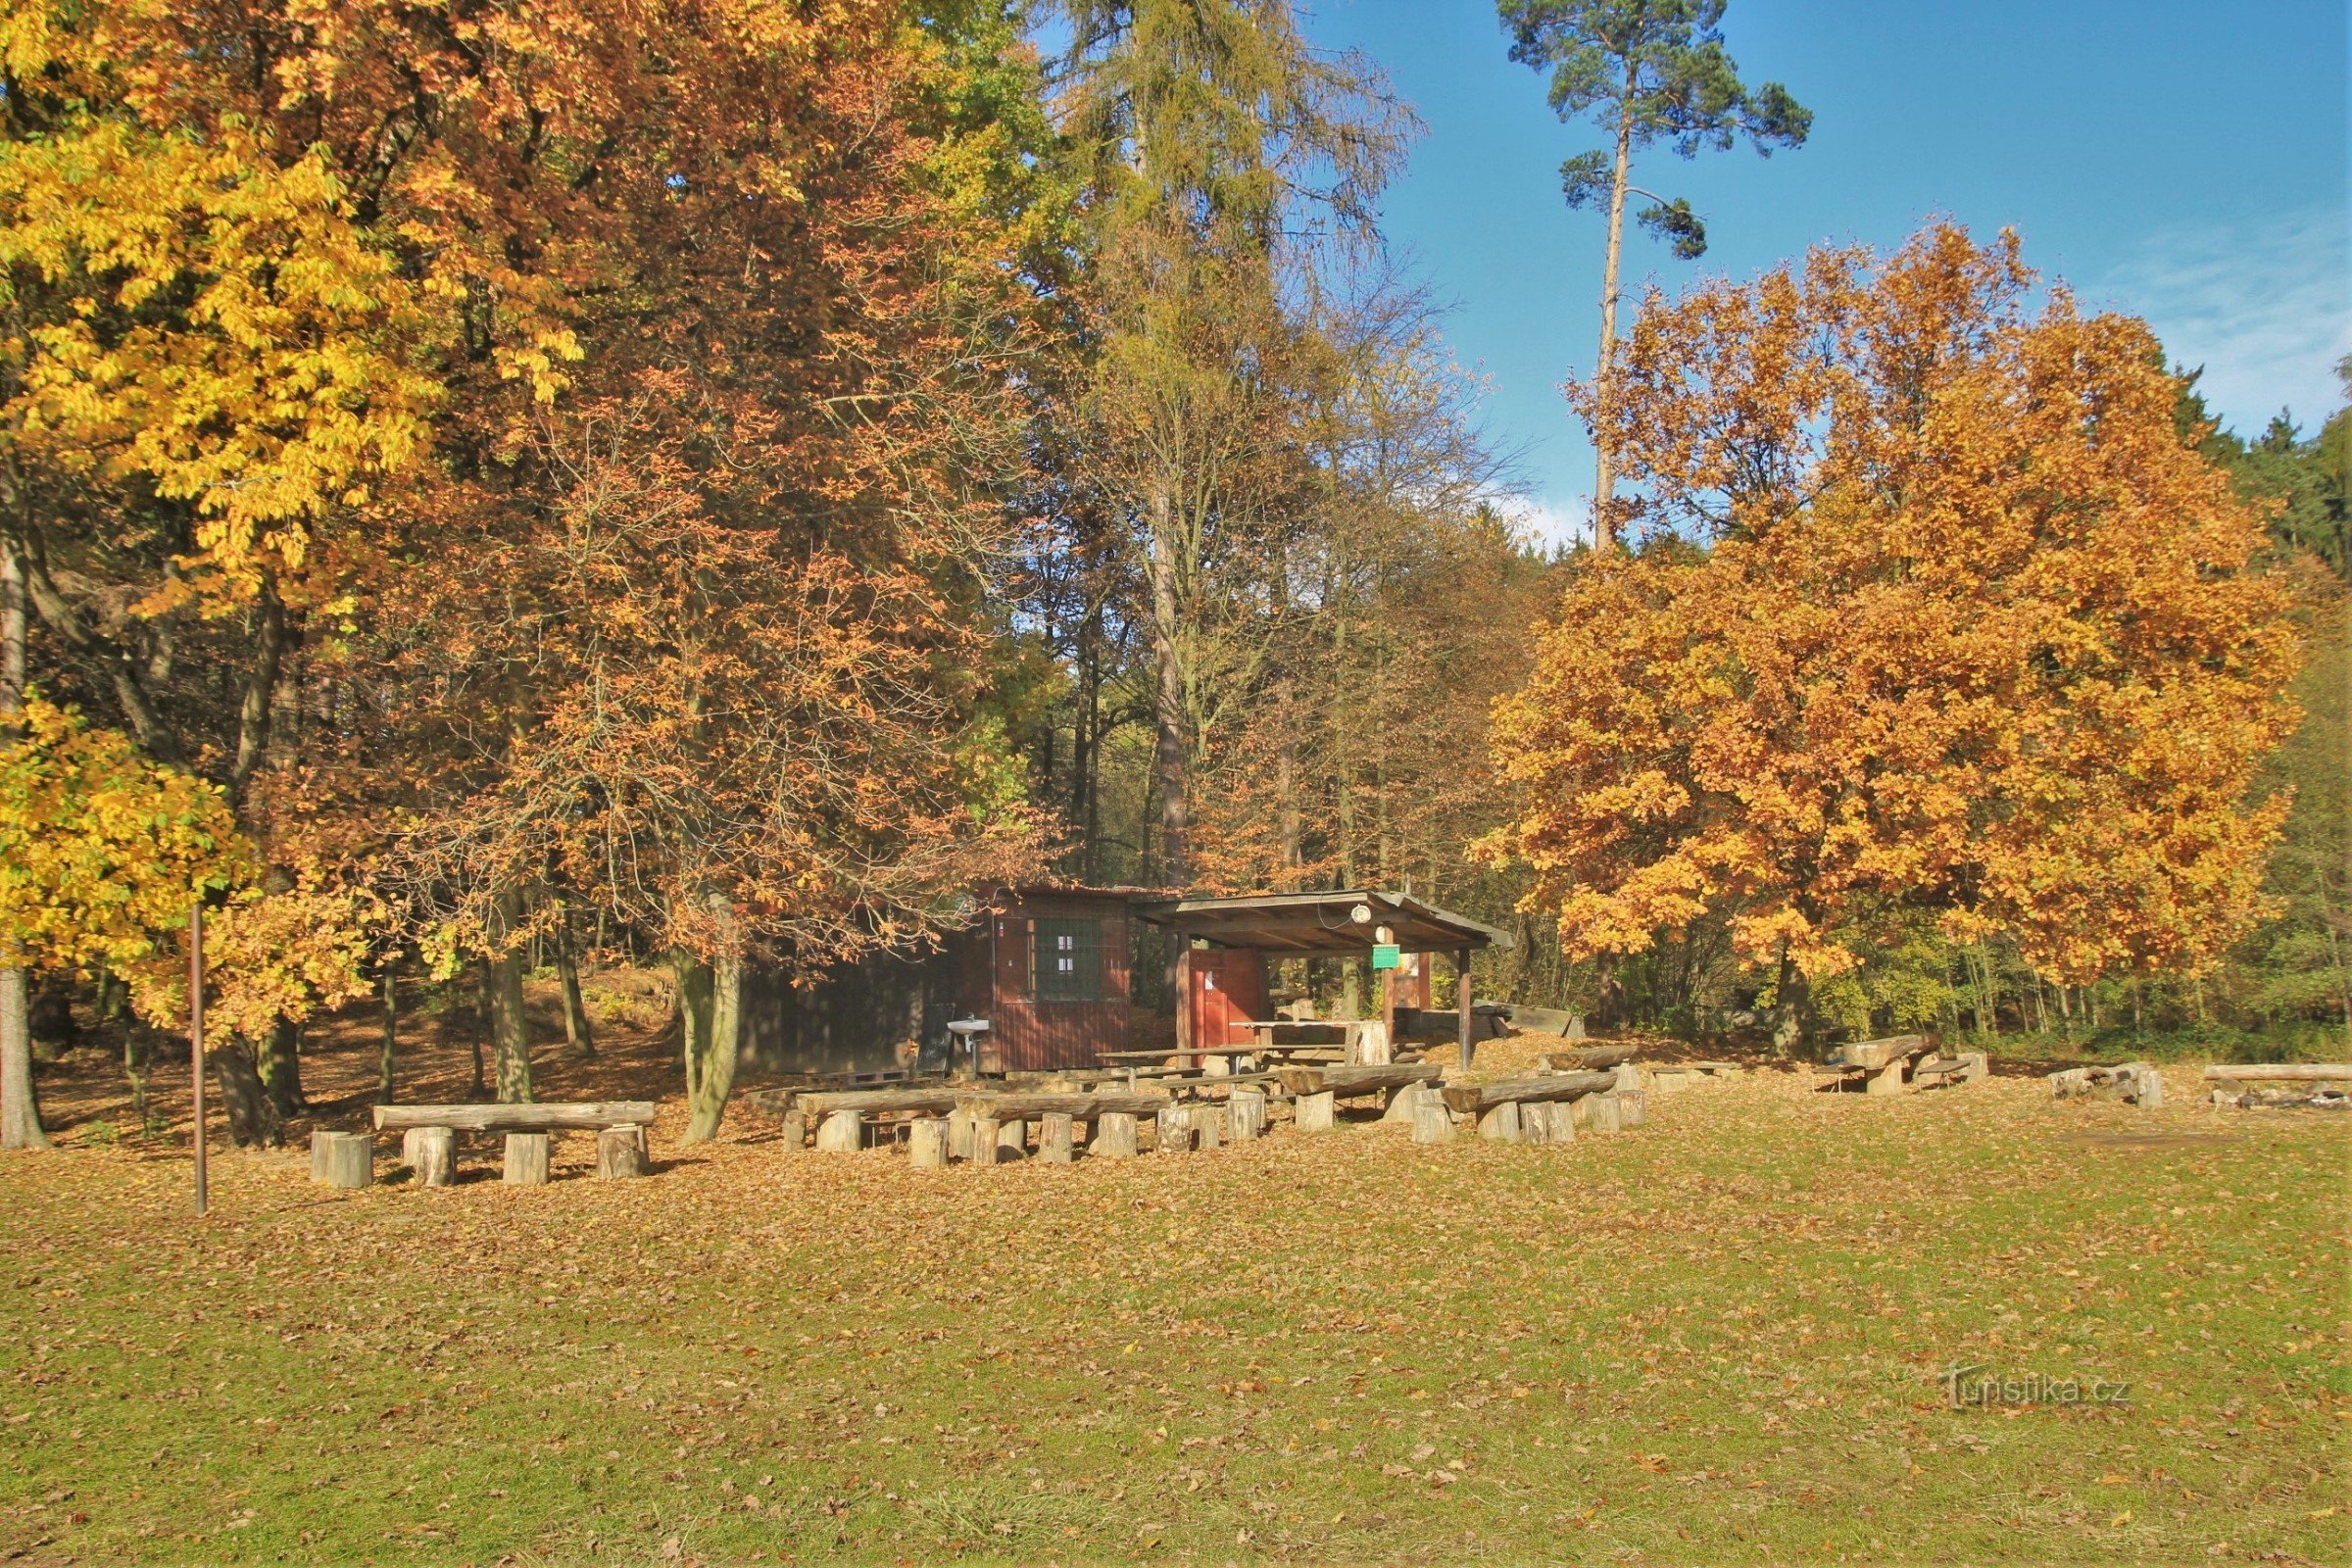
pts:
[2186, 163]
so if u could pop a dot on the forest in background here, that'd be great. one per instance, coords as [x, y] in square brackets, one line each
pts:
[476, 485]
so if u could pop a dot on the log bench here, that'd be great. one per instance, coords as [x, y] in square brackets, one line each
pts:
[818, 1108]
[1506, 1107]
[2282, 1085]
[1316, 1089]
[428, 1140]
[1671, 1075]
[989, 1127]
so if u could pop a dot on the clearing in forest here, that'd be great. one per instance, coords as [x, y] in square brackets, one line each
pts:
[1725, 1336]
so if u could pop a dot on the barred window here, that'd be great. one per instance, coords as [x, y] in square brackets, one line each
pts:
[1069, 961]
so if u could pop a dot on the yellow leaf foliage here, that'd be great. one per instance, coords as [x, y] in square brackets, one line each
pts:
[1949, 618]
[102, 851]
[205, 315]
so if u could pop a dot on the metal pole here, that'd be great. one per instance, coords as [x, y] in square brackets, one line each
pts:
[196, 1034]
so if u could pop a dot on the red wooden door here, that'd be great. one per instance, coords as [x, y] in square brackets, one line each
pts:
[1228, 986]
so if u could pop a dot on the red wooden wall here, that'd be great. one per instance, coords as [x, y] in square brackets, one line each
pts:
[1034, 1034]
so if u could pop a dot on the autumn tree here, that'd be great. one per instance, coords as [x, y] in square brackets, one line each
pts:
[1389, 616]
[1211, 137]
[1939, 612]
[701, 643]
[1646, 70]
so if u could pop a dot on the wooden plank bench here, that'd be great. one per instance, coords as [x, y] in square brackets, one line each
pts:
[428, 1140]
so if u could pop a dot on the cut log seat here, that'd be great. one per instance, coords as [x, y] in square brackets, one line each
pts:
[342, 1159]
[1476, 1099]
[548, 1116]
[1345, 1081]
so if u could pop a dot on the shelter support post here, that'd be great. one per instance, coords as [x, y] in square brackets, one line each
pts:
[1463, 1020]
[1181, 970]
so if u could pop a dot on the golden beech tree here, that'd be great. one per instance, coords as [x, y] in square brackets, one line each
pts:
[101, 853]
[1937, 611]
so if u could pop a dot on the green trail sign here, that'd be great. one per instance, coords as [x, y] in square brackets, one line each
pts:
[1385, 955]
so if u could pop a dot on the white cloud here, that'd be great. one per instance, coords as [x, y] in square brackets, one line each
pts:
[2265, 307]
[1549, 522]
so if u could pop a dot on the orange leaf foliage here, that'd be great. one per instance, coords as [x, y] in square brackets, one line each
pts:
[1966, 627]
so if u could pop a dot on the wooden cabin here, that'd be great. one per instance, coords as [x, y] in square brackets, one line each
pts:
[1049, 966]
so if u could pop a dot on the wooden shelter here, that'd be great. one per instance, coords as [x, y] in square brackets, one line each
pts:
[1048, 966]
[1222, 945]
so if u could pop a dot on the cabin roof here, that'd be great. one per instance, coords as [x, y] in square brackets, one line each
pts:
[1086, 890]
[1323, 923]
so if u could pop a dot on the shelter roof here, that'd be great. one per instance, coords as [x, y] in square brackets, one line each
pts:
[1342, 921]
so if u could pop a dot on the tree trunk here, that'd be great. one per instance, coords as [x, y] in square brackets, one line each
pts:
[282, 1069]
[1605, 481]
[253, 1119]
[1788, 1007]
[135, 1056]
[577, 1038]
[19, 1112]
[1168, 759]
[261, 687]
[1086, 730]
[481, 1028]
[383, 1061]
[510, 1032]
[714, 1027]
[694, 986]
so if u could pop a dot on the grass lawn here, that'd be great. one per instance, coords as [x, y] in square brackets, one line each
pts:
[1715, 1339]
